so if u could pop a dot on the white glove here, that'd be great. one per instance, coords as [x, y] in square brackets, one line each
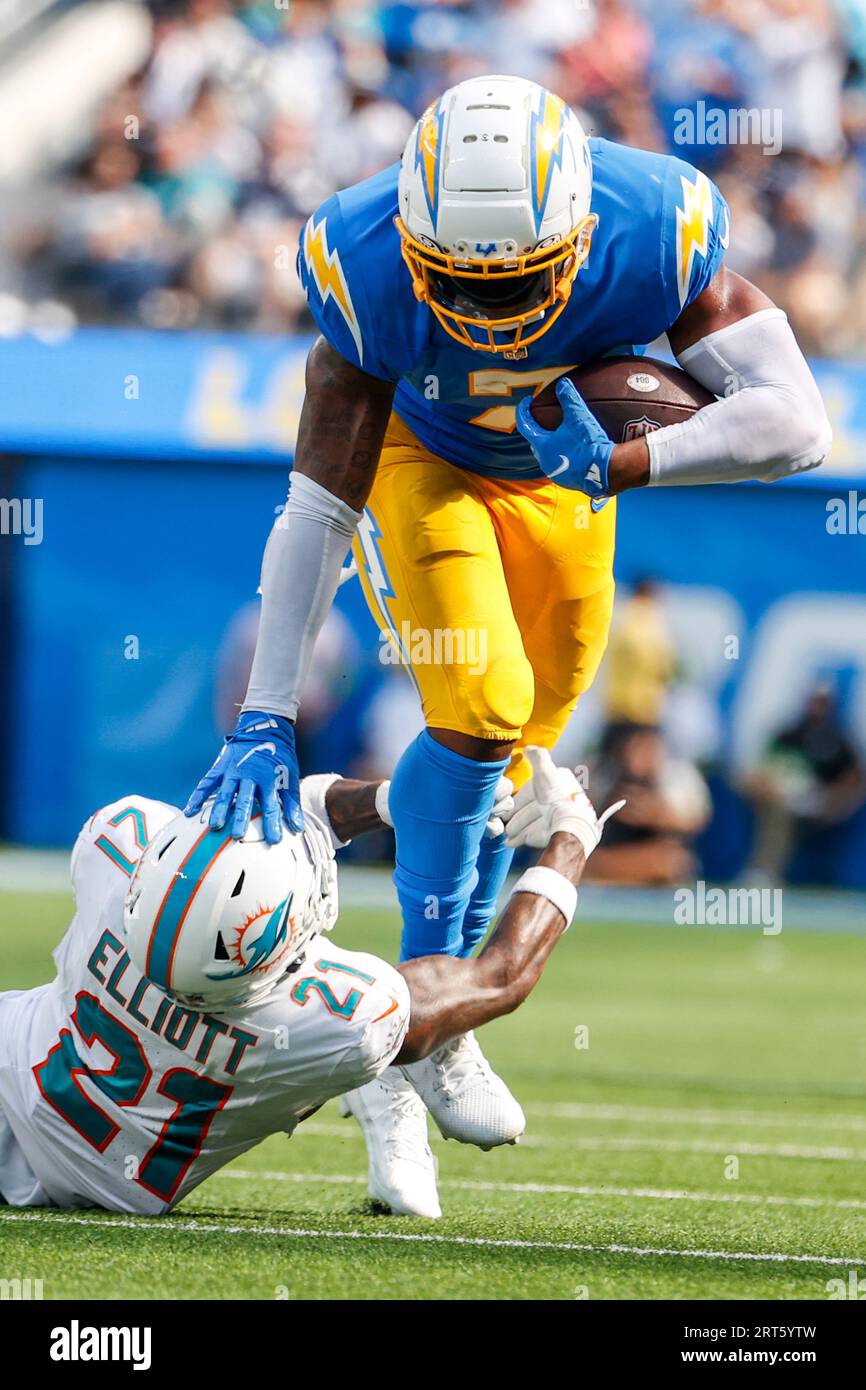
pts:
[553, 800]
[503, 805]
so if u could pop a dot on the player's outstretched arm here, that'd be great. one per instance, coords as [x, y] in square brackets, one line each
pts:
[553, 813]
[351, 808]
[450, 996]
[348, 808]
[340, 436]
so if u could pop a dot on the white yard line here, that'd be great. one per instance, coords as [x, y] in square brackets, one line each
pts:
[835, 1154]
[667, 1115]
[556, 1189]
[160, 1226]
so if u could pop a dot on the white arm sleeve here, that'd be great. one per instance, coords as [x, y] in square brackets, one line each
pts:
[770, 421]
[300, 575]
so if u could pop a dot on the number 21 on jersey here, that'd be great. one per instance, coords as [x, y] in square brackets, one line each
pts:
[197, 1098]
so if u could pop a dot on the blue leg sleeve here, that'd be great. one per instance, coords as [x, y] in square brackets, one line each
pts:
[493, 863]
[439, 802]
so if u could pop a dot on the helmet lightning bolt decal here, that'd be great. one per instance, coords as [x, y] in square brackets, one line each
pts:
[546, 129]
[693, 226]
[327, 272]
[428, 151]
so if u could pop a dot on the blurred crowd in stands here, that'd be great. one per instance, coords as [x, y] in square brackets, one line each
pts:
[804, 784]
[185, 204]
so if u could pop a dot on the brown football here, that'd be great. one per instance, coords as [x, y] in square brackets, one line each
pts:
[629, 396]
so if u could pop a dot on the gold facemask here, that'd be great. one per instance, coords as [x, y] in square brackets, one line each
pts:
[471, 298]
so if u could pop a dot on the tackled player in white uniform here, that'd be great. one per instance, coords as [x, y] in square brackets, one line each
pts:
[122, 1097]
[199, 1006]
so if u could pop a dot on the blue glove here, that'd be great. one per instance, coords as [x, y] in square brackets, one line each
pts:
[257, 762]
[577, 453]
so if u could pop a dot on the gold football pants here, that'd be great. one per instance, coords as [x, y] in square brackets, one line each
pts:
[496, 595]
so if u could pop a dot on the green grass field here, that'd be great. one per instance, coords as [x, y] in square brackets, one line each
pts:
[708, 1143]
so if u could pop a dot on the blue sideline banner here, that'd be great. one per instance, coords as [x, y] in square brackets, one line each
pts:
[151, 546]
[138, 394]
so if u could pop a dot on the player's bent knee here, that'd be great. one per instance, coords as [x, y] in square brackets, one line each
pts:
[497, 701]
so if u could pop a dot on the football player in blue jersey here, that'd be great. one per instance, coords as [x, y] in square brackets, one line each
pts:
[504, 249]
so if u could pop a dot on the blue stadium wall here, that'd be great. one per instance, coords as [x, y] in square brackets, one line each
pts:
[160, 462]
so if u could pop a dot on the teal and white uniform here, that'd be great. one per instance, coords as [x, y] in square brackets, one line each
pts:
[112, 1095]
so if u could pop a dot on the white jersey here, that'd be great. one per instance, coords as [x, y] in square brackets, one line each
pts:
[113, 1095]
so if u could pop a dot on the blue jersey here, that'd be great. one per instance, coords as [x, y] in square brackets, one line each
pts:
[662, 232]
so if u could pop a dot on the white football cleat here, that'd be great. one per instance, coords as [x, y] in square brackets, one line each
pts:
[464, 1095]
[402, 1172]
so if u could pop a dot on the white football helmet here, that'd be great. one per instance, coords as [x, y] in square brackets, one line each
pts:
[494, 196]
[216, 922]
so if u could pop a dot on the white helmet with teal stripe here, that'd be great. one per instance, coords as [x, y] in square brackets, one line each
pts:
[216, 922]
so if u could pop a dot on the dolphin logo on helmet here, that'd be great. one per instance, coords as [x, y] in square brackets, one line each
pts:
[254, 954]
